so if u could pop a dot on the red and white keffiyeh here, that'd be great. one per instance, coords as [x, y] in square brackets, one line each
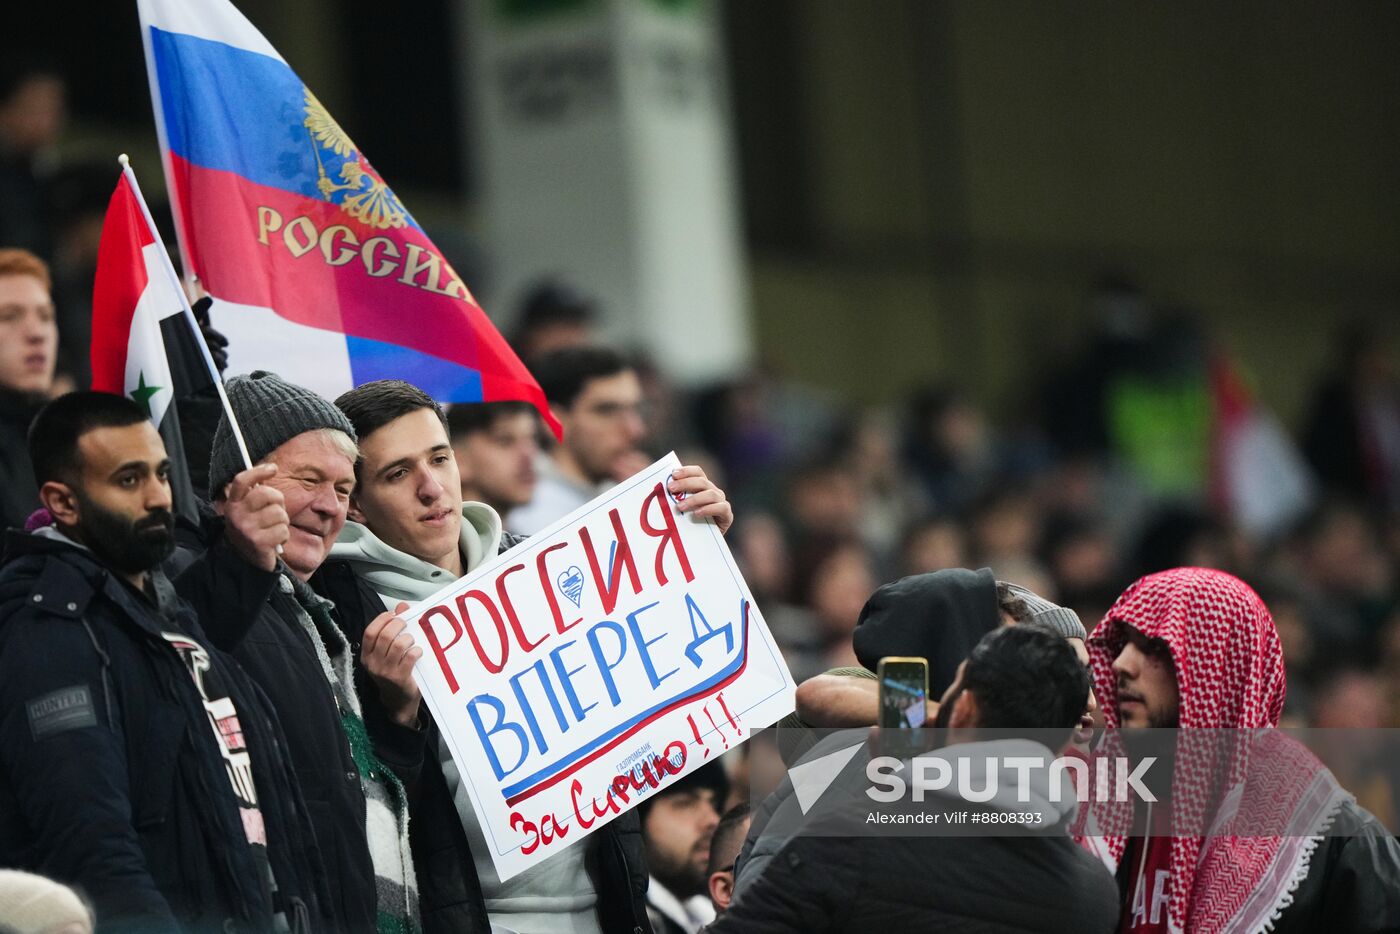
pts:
[1230, 676]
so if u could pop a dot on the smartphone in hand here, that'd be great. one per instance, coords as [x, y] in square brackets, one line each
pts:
[903, 692]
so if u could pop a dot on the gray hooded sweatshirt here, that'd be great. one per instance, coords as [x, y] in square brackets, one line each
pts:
[397, 576]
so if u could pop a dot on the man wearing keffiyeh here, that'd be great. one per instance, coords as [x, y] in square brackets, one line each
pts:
[1256, 834]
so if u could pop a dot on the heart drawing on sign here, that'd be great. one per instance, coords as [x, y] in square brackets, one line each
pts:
[571, 584]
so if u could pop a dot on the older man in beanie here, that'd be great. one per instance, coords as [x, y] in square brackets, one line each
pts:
[297, 497]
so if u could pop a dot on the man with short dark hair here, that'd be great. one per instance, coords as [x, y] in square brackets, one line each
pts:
[410, 535]
[937, 616]
[140, 763]
[28, 350]
[994, 688]
[678, 822]
[1025, 683]
[408, 518]
[597, 398]
[496, 444]
[728, 839]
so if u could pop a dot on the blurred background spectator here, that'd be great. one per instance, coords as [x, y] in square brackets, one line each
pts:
[33, 102]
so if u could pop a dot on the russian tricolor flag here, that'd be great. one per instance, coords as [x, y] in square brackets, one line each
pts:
[317, 269]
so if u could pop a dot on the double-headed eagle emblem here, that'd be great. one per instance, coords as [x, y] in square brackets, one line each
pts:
[374, 205]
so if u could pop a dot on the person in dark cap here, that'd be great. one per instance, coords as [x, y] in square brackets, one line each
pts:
[941, 616]
[296, 648]
[677, 824]
[938, 616]
[818, 866]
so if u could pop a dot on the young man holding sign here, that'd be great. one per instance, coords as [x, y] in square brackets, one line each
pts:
[410, 535]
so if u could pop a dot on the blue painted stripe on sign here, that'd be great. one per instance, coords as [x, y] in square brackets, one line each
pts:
[664, 706]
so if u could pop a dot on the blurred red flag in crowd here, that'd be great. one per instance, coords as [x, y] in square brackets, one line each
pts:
[1258, 476]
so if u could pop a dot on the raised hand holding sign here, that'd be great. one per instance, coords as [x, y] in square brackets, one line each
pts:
[596, 662]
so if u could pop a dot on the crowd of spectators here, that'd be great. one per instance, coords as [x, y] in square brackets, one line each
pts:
[1111, 465]
[1070, 497]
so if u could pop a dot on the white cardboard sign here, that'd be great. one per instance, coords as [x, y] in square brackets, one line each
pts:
[599, 660]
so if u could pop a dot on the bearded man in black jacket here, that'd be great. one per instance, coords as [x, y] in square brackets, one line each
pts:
[141, 764]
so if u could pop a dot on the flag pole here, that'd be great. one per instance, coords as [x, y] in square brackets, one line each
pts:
[158, 112]
[189, 312]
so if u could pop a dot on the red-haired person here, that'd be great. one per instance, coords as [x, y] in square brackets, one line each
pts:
[28, 349]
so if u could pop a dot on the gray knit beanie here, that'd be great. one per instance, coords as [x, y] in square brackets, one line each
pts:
[1056, 618]
[271, 411]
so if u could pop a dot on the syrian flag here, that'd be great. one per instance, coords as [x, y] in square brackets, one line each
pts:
[1258, 475]
[143, 345]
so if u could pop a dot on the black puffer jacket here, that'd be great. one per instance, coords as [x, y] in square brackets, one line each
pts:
[250, 615]
[824, 867]
[111, 779]
[911, 885]
[450, 897]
